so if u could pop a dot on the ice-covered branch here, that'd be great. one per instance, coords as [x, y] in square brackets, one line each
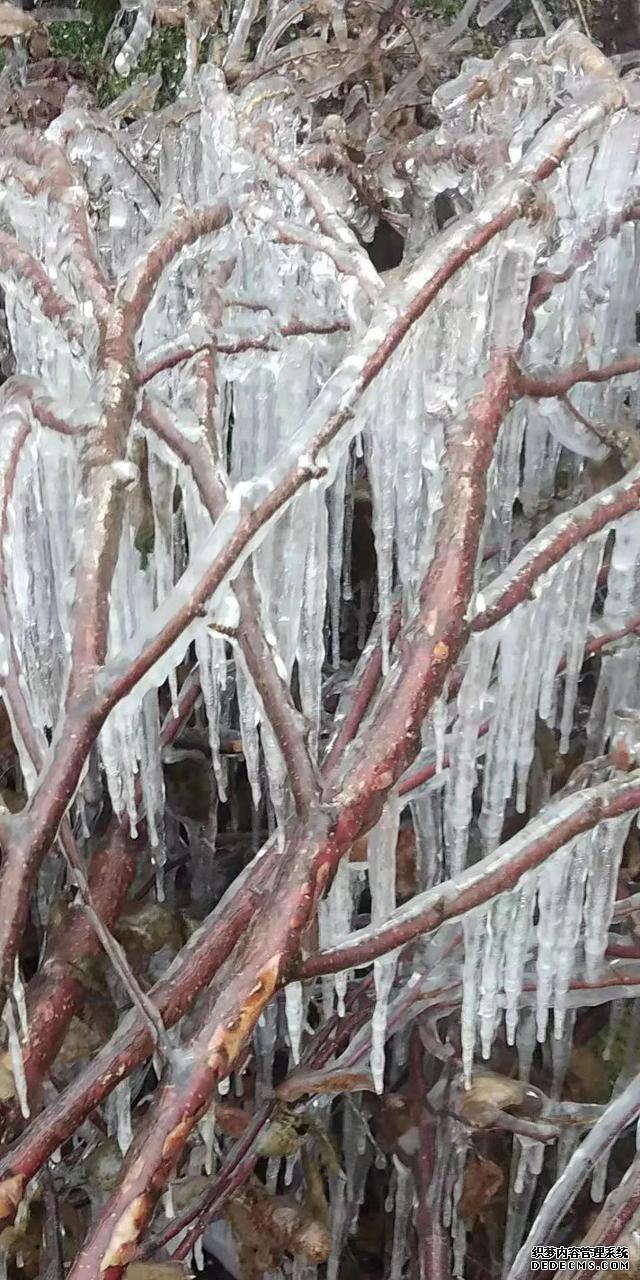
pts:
[549, 385]
[103, 495]
[135, 293]
[177, 352]
[334, 409]
[265, 957]
[554, 827]
[16, 263]
[620, 1113]
[555, 540]
[212, 484]
[50, 172]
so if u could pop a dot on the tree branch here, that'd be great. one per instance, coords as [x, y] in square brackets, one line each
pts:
[554, 541]
[616, 1117]
[272, 689]
[558, 823]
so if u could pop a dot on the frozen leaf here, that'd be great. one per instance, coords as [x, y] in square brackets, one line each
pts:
[490, 1093]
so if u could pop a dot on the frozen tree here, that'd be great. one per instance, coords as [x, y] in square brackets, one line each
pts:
[427, 751]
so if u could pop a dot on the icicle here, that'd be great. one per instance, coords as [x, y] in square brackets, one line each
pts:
[569, 935]
[561, 1049]
[294, 1006]
[337, 1224]
[265, 1040]
[599, 1179]
[167, 1202]
[426, 815]
[198, 1255]
[207, 1131]
[590, 559]
[403, 1210]
[551, 895]
[334, 917]
[130, 52]
[382, 469]
[607, 845]
[503, 737]
[17, 1062]
[464, 746]
[517, 944]
[473, 925]
[124, 1131]
[459, 1248]
[310, 647]
[357, 1160]
[526, 1166]
[382, 883]
[336, 544]
[20, 1002]
[212, 663]
[439, 717]
[248, 728]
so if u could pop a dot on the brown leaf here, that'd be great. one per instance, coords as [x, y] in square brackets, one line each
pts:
[491, 1093]
[482, 1181]
[13, 22]
[11, 1190]
[7, 1085]
[488, 1093]
[155, 1271]
[231, 1119]
[80, 1043]
[586, 1079]
[268, 1226]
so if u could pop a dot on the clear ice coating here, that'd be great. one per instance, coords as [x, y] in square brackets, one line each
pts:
[294, 331]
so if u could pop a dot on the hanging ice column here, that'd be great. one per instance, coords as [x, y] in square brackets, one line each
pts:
[381, 855]
[538, 643]
[574, 892]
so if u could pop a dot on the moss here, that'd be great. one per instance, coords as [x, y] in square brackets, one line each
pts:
[446, 11]
[84, 43]
[165, 52]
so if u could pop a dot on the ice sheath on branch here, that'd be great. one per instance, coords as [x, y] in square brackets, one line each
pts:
[263, 283]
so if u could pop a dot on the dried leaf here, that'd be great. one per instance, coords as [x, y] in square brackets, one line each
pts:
[586, 1079]
[155, 1271]
[148, 927]
[7, 1085]
[491, 1093]
[13, 22]
[282, 1137]
[80, 1043]
[482, 1181]
[266, 1227]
